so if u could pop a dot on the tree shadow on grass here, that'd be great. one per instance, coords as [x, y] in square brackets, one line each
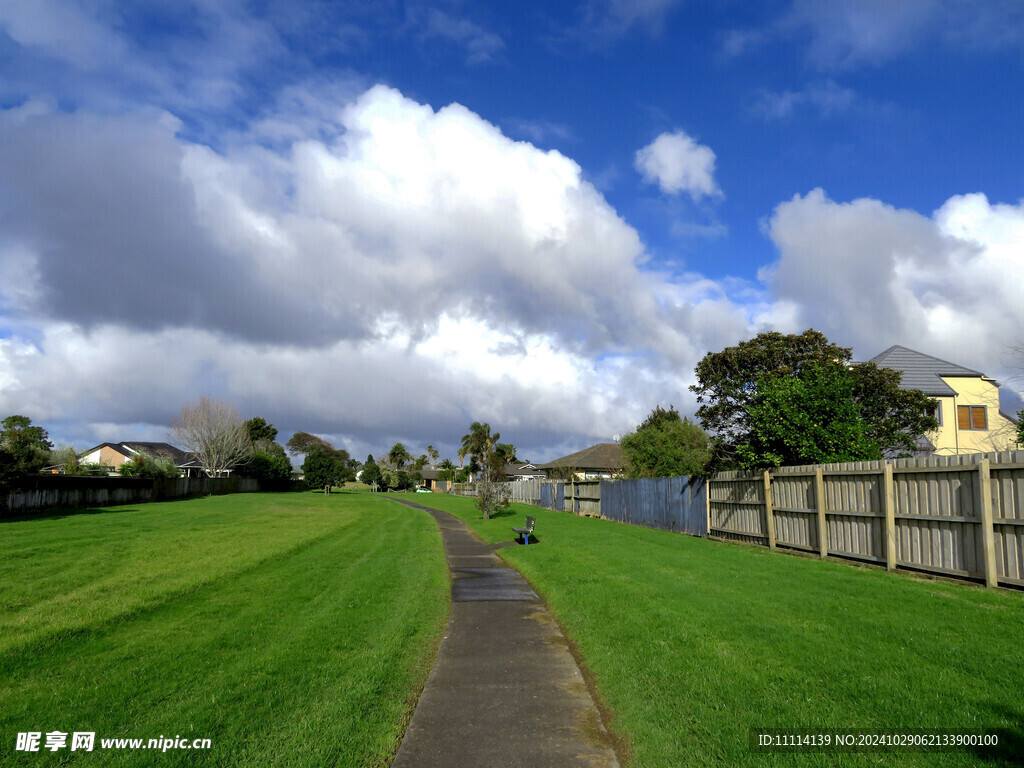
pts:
[1010, 749]
[506, 513]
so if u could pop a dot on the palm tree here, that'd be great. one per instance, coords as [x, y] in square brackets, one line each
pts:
[398, 455]
[506, 451]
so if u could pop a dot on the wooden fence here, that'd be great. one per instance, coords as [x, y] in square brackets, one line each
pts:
[71, 492]
[959, 516]
[670, 503]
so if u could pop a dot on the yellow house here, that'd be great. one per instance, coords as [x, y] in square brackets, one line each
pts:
[968, 403]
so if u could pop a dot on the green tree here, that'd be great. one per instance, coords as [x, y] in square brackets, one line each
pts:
[260, 430]
[66, 457]
[478, 443]
[28, 446]
[665, 445]
[398, 456]
[434, 454]
[325, 468]
[810, 418]
[448, 471]
[492, 495]
[729, 381]
[303, 442]
[895, 417]
[1020, 428]
[506, 451]
[371, 472]
[267, 465]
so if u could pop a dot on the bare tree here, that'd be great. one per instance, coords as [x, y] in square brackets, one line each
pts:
[215, 433]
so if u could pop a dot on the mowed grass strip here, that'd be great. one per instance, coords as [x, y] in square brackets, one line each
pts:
[693, 643]
[290, 629]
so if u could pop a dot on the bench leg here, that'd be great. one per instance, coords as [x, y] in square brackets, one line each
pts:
[527, 539]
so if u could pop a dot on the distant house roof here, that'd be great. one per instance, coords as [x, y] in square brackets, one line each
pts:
[520, 469]
[159, 450]
[922, 371]
[603, 456]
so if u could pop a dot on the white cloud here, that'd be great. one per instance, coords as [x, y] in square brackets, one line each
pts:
[677, 164]
[394, 273]
[871, 275]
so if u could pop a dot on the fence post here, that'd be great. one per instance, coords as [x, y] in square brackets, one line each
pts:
[769, 516]
[889, 504]
[707, 502]
[819, 499]
[987, 533]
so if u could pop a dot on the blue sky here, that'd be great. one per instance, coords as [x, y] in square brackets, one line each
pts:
[384, 221]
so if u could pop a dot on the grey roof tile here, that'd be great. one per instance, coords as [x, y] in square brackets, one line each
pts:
[922, 371]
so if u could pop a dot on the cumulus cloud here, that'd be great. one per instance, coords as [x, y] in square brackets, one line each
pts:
[395, 271]
[873, 275]
[677, 163]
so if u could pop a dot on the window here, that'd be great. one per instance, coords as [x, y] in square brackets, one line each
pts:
[936, 411]
[971, 417]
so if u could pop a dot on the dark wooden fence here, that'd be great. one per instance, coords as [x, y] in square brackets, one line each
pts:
[63, 492]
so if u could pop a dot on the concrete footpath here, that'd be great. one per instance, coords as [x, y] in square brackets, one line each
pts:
[504, 691]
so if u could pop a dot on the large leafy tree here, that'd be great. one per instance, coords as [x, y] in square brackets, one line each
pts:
[260, 430]
[28, 447]
[731, 381]
[371, 474]
[268, 460]
[303, 442]
[324, 469]
[665, 445]
[810, 418]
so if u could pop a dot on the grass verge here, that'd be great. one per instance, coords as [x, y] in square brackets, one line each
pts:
[290, 629]
[695, 644]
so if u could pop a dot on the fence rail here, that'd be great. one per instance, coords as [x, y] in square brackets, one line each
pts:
[957, 516]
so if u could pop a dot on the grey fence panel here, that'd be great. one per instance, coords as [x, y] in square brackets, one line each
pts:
[546, 496]
[666, 503]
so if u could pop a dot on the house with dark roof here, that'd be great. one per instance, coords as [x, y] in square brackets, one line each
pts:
[113, 455]
[970, 420]
[519, 470]
[601, 461]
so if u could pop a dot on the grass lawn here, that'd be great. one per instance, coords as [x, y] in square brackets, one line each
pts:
[694, 643]
[289, 629]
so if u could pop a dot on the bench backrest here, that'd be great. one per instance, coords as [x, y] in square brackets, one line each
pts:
[529, 522]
